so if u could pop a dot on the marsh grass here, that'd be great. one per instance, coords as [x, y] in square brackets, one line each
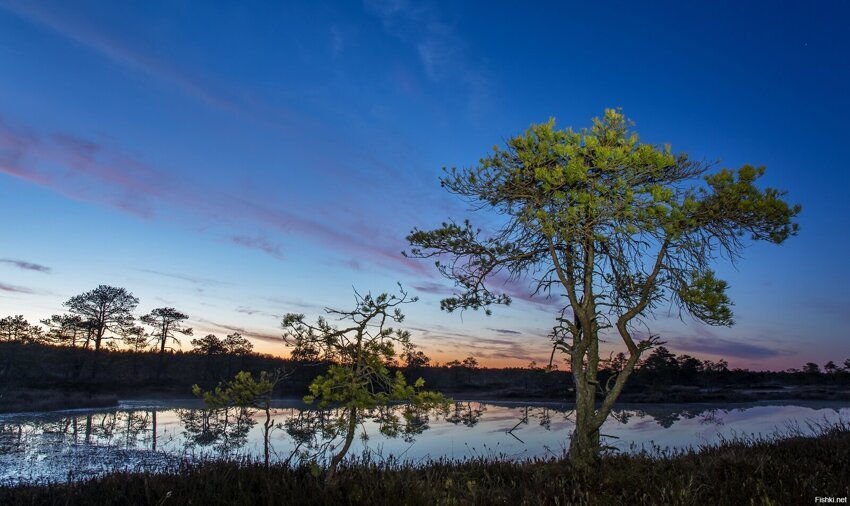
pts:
[786, 468]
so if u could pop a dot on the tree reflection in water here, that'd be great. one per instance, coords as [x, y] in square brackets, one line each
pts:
[667, 416]
[224, 430]
[52, 445]
[464, 413]
[12, 438]
[318, 433]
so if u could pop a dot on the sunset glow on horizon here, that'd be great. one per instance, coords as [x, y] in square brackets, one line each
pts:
[240, 162]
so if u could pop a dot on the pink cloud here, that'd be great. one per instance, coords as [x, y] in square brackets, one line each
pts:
[80, 169]
[92, 171]
[522, 290]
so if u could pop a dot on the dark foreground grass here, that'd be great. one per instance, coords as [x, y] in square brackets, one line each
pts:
[791, 470]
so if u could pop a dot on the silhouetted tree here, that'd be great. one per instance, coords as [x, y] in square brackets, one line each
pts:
[305, 350]
[470, 362]
[811, 368]
[720, 366]
[661, 364]
[106, 309]
[235, 344]
[208, 345]
[136, 339]
[211, 347]
[166, 322]
[689, 368]
[613, 225]
[618, 362]
[413, 358]
[16, 329]
[67, 330]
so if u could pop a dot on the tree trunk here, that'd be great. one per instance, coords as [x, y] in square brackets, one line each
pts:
[267, 428]
[97, 341]
[349, 438]
[153, 430]
[585, 443]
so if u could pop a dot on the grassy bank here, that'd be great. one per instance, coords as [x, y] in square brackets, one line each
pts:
[791, 470]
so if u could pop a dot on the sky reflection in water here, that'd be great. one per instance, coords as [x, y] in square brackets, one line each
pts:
[156, 435]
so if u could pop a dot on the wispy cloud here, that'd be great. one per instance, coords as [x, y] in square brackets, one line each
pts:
[708, 342]
[506, 332]
[16, 289]
[440, 49]
[185, 277]
[729, 348]
[258, 243]
[78, 30]
[95, 170]
[287, 303]
[81, 168]
[208, 326]
[250, 311]
[27, 266]
[297, 127]
[434, 288]
[247, 310]
[87, 170]
[516, 289]
[524, 347]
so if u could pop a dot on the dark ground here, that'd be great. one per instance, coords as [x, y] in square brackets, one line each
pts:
[792, 470]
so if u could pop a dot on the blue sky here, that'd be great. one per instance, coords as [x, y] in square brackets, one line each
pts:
[242, 160]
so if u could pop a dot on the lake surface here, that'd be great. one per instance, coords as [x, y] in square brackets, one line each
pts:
[155, 436]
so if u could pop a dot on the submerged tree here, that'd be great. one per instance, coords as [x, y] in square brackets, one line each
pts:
[615, 227]
[360, 384]
[105, 309]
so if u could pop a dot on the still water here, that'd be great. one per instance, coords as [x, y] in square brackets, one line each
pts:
[155, 435]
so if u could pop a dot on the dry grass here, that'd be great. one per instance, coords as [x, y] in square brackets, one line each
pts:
[791, 469]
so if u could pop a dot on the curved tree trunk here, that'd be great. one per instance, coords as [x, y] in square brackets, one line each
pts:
[349, 438]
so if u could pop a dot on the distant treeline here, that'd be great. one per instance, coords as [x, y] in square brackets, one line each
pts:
[100, 346]
[139, 374]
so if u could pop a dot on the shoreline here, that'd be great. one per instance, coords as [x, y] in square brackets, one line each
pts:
[41, 401]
